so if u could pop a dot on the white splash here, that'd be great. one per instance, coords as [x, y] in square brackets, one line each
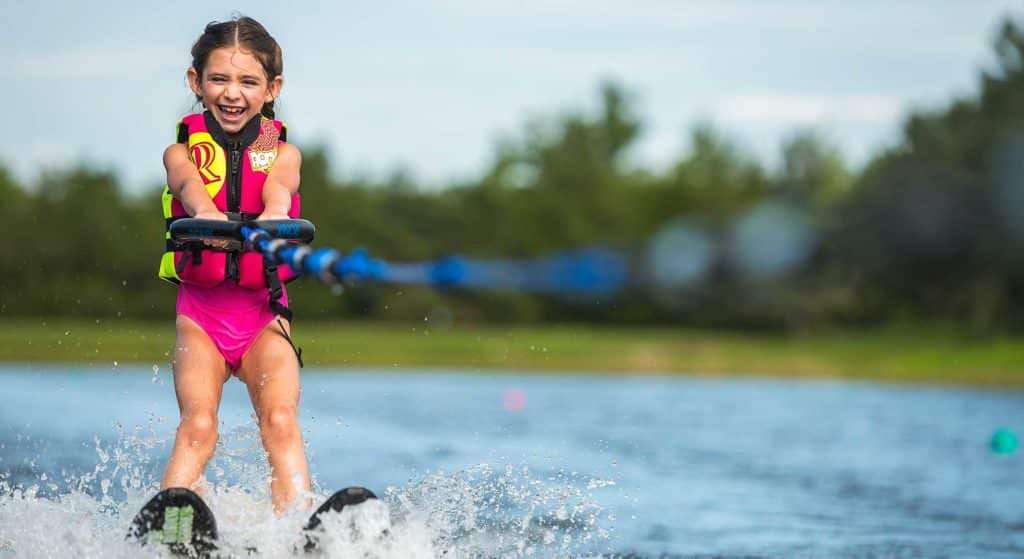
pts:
[480, 512]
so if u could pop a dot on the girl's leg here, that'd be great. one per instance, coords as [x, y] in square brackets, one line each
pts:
[271, 373]
[199, 376]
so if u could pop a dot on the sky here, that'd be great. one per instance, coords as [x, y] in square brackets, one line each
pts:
[430, 87]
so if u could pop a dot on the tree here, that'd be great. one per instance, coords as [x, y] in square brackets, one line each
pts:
[813, 174]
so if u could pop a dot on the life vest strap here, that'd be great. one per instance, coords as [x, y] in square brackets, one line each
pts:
[276, 292]
[196, 257]
[297, 350]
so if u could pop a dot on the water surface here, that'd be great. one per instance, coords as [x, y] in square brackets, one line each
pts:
[512, 465]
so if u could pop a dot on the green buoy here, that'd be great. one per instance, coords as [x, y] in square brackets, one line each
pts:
[1004, 441]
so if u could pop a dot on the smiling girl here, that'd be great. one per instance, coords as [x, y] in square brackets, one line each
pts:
[231, 162]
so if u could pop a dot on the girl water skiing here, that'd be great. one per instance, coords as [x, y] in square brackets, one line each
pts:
[232, 162]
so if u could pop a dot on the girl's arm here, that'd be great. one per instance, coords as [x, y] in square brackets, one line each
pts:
[282, 182]
[185, 184]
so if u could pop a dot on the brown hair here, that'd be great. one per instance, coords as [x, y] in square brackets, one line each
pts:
[244, 32]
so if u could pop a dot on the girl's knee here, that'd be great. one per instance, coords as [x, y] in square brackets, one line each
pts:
[200, 427]
[279, 422]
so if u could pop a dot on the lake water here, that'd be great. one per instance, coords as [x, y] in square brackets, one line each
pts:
[475, 465]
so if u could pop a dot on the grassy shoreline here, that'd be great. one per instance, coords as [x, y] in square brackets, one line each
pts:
[889, 354]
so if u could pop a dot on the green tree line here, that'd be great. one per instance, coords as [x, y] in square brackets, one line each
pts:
[931, 229]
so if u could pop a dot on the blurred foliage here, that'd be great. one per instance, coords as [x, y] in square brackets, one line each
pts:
[929, 230]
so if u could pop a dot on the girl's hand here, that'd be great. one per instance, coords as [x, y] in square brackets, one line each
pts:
[272, 215]
[214, 215]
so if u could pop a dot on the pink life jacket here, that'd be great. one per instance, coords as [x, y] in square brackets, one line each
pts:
[234, 172]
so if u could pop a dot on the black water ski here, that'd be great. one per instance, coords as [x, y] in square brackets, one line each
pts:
[346, 497]
[179, 519]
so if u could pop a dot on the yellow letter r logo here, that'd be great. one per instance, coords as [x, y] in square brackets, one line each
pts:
[204, 154]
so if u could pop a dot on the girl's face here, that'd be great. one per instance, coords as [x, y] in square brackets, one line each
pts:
[233, 87]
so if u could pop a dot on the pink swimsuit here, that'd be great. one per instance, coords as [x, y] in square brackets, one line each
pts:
[231, 315]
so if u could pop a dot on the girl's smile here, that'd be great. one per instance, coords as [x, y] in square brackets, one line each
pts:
[233, 87]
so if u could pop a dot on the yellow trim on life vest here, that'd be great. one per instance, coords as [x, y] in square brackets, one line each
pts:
[166, 200]
[167, 269]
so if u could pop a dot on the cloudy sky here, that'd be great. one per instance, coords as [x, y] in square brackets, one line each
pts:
[431, 85]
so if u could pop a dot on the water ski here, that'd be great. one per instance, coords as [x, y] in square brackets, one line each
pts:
[350, 496]
[178, 519]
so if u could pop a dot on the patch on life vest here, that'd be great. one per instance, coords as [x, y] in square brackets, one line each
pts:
[263, 151]
[204, 155]
[209, 160]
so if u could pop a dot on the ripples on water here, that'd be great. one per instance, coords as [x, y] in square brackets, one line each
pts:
[474, 466]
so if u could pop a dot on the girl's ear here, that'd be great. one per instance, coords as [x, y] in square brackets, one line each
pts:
[274, 89]
[193, 81]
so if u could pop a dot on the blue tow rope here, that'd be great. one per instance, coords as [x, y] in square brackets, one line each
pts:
[595, 271]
